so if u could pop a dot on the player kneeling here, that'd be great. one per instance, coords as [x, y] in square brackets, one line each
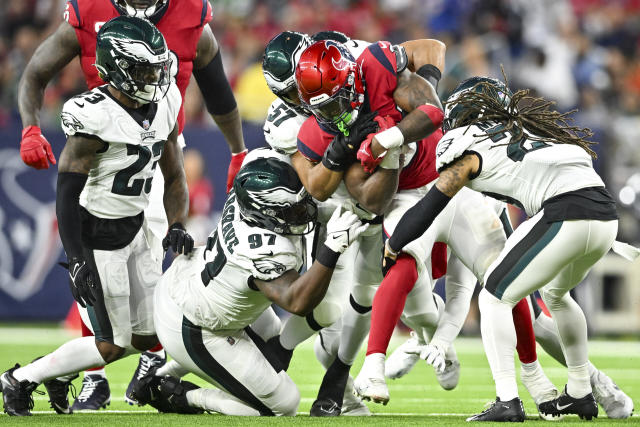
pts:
[206, 302]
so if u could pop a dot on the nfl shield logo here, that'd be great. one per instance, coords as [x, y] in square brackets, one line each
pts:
[145, 124]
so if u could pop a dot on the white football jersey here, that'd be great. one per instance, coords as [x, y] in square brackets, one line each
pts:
[524, 173]
[120, 179]
[240, 252]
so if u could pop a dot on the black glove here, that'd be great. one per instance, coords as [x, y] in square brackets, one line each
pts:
[178, 239]
[341, 152]
[82, 281]
[389, 258]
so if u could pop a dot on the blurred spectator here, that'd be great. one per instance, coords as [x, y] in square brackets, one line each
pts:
[200, 196]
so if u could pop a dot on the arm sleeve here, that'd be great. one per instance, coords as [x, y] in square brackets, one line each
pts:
[215, 88]
[68, 191]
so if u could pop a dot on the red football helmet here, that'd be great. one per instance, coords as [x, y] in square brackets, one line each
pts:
[330, 84]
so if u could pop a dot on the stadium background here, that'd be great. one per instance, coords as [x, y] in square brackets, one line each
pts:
[581, 53]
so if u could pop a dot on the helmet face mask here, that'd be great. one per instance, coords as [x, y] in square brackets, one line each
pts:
[270, 195]
[278, 66]
[141, 8]
[132, 56]
[330, 85]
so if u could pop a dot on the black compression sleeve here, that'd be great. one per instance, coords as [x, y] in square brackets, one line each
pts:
[215, 87]
[431, 73]
[418, 219]
[68, 191]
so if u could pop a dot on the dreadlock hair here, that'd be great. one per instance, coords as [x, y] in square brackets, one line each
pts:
[486, 102]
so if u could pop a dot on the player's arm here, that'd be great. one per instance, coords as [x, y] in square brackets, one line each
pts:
[218, 97]
[176, 195]
[418, 219]
[373, 191]
[424, 52]
[49, 58]
[319, 181]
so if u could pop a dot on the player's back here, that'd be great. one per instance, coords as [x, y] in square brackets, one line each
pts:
[215, 288]
[525, 172]
[133, 139]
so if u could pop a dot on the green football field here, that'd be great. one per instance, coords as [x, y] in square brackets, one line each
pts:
[416, 399]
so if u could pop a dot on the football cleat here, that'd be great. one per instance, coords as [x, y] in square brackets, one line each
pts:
[175, 391]
[585, 407]
[352, 405]
[540, 388]
[58, 391]
[145, 364]
[400, 362]
[449, 377]
[510, 411]
[613, 400]
[325, 408]
[147, 392]
[95, 394]
[370, 383]
[16, 395]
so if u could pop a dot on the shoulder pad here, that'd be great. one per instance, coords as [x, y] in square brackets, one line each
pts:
[281, 127]
[454, 144]
[83, 113]
[401, 57]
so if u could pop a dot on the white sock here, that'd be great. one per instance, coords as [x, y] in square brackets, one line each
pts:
[70, 357]
[296, 329]
[579, 384]
[373, 365]
[99, 372]
[219, 401]
[546, 334]
[499, 340]
[530, 368]
[326, 344]
[160, 353]
[172, 368]
[355, 327]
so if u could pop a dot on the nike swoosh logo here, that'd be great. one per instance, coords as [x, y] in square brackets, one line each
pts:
[267, 130]
[561, 407]
[76, 269]
[336, 237]
[79, 104]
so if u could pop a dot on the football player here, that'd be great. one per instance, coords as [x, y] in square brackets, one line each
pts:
[194, 49]
[525, 154]
[117, 134]
[207, 302]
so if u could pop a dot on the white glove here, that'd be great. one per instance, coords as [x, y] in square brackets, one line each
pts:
[433, 353]
[343, 229]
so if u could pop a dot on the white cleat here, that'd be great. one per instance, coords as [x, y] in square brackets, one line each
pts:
[540, 388]
[370, 383]
[403, 359]
[448, 379]
[613, 400]
[352, 405]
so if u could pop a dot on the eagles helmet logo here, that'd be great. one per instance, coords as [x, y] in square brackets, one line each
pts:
[279, 196]
[138, 49]
[265, 266]
[69, 121]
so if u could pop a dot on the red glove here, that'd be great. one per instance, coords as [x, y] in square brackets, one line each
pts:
[234, 167]
[35, 149]
[369, 163]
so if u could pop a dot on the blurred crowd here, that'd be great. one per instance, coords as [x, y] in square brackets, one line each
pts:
[580, 53]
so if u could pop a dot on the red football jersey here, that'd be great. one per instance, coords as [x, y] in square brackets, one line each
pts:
[181, 24]
[379, 69]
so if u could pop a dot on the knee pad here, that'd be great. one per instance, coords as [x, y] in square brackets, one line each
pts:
[326, 314]
[288, 398]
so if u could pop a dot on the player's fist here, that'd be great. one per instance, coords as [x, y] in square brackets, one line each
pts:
[82, 281]
[178, 239]
[389, 258]
[434, 354]
[35, 150]
[365, 154]
[341, 152]
[234, 167]
[343, 229]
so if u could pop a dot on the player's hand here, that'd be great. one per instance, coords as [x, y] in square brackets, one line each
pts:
[341, 152]
[234, 167]
[365, 155]
[82, 281]
[343, 228]
[389, 258]
[434, 354]
[178, 239]
[35, 150]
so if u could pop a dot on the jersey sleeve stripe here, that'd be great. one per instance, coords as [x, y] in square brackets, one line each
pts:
[377, 53]
[308, 152]
[205, 6]
[74, 4]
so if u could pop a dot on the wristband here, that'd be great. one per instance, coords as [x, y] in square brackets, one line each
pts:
[327, 257]
[31, 130]
[430, 73]
[436, 115]
[390, 138]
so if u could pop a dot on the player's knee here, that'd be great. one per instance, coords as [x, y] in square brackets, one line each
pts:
[143, 342]
[326, 314]
[362, 296]
[109, 351]
[553, 298]
[289, 400]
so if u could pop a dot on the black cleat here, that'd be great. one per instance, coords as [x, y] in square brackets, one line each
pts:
[175, 391]
[95, 394]
[16, 395]
[325, 408]
[586, 407]
[147, 392]
[510, 411]
[58, 390]
[282, 354]
[145, 364]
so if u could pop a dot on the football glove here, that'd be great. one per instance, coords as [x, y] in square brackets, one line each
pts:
[343, 229]
[178, 239]
[433, 353]
[389, 258]
[234, 167]
[35, 149]
[365, 155]
[82, 281]
[342, 150]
